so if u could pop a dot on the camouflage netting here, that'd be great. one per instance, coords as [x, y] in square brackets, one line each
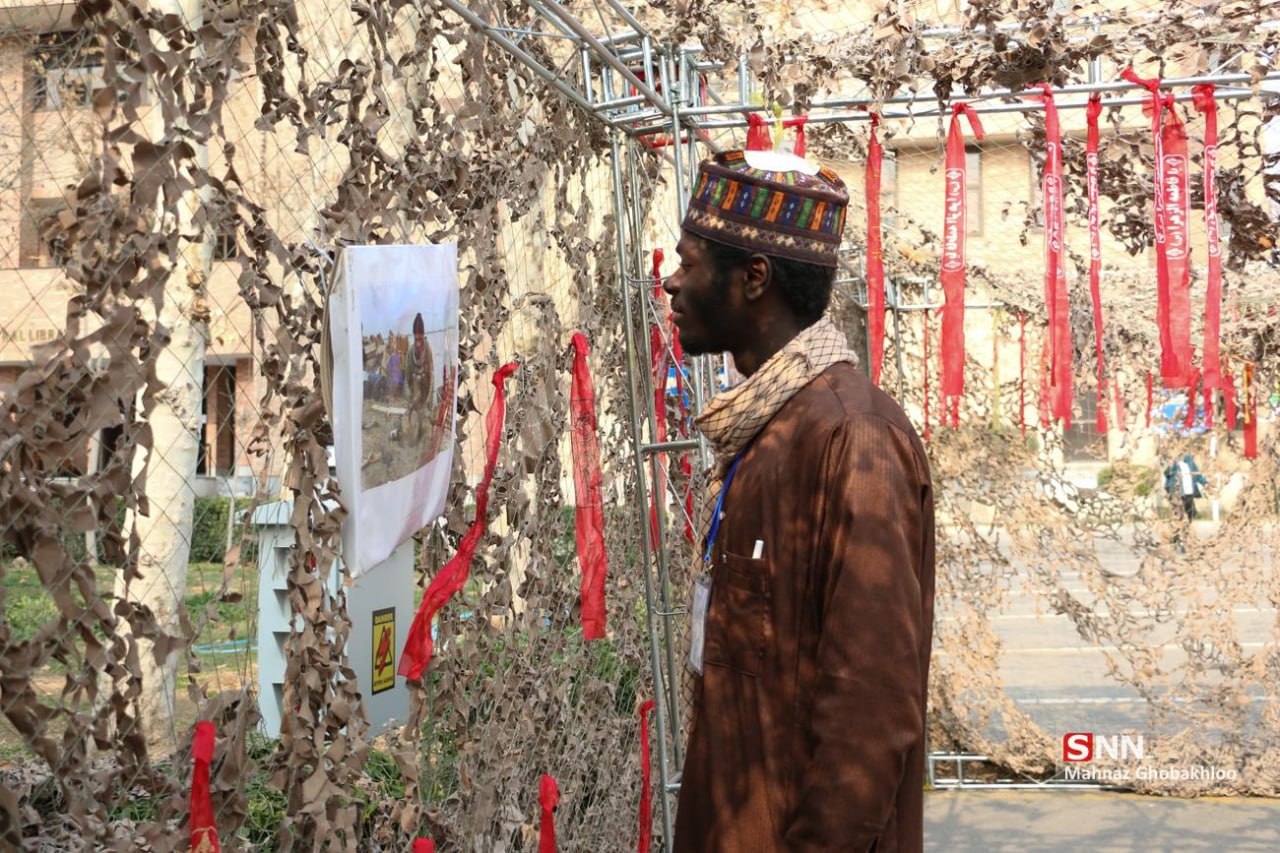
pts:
[1162, 607]
[266, 137]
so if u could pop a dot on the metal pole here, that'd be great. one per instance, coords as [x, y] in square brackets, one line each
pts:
[978, 100]
[605, 54]
[646, 550]
[654, 453]
[520, 55]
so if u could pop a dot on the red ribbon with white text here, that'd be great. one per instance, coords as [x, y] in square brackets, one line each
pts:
[418, 646]
[1206, 103]
[953, 265]
[204, 830]
[875, 251]
[1172, 212]
[1095, 250]
[1055, 273]
[588, 504]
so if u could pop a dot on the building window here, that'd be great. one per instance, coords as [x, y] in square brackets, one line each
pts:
[973, 189]
[41, 242]
[66, 71]
[224, 245]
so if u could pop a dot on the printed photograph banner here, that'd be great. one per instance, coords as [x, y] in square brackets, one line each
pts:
[393, 330]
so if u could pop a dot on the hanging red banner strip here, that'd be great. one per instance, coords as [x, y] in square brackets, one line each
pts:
[798, 123]
[1250, 400]
[1171, 187]
[1206, 103]
[424, 845]
[1208, 403]
[1055, 275]
[953, 265]
[758, 133]
[1177, 211]
[588, 503]
[1022, 373]
[759, 138]
[646, 776]
[1092, 112]
[418, 645]
[875, 251]
[548, 799]
[204, 829]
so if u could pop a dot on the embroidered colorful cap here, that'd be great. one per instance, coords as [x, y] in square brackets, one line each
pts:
[770, 202]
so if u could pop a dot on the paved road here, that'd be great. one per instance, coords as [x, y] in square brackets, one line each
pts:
[1060, 680]
[1061, 821]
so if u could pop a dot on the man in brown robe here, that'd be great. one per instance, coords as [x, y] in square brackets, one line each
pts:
[809, 716]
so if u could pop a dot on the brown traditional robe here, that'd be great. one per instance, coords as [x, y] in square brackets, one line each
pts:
[809, 719]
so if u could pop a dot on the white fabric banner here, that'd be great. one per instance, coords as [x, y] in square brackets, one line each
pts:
[393, 331]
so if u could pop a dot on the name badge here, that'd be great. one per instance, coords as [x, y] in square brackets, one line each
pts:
[698, 623]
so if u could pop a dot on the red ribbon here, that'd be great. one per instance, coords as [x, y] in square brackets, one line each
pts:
[1208, 402]
[424, 845]
[1250, 401]
[1055, 274]
[758, 133]
[418, 646]
[953, 236]
[588, 504]
[1205, 102]
[759, 139]
[1172, 211]
[548, 798]
[204, 830]
[646, 775]
[798, 123]
[1095, 249]
[875, 251]
[1022, 373]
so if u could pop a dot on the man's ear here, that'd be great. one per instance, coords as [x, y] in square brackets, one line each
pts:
[759, 274]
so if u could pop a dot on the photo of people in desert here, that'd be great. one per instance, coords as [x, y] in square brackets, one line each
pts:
[410, 377]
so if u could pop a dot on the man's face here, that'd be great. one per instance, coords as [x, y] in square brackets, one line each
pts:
[701, 297]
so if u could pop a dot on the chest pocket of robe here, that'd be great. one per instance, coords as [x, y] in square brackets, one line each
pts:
[738, 623]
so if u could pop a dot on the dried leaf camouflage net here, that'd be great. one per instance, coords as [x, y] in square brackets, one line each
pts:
[279, 131]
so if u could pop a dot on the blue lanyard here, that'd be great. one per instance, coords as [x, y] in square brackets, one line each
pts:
[719, 510]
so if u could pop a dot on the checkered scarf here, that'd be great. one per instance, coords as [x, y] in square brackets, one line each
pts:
[734, 417]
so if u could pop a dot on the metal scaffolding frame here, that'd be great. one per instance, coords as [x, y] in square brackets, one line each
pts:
[656, 100]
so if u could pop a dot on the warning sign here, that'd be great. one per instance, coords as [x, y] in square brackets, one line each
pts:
[384, 649]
